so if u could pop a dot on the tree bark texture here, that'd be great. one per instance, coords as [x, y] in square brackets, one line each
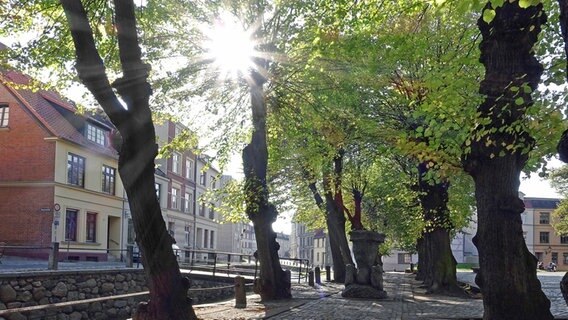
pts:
[507, 276]
[562, 146]
[438, 267]
[336, 215]
[337, 238]
[137, 151]
[273, 283]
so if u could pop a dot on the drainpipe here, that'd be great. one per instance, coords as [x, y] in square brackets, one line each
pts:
[123, 214]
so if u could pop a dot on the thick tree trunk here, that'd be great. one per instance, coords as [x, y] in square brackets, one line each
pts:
[336, 216]
[439, 265]
[507, 275]
[336, 226]
[562, 146]
[335, 222]
[422, 259]
[273, 283]
[168, 289]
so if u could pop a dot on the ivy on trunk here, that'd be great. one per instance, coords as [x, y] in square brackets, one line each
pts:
[499, 151]
[137, 151]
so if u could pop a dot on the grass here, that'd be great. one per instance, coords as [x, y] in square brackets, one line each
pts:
[466, 266]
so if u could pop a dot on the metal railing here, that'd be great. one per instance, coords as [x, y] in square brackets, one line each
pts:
[217, 263]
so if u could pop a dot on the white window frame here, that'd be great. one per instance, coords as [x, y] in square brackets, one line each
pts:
[175, 200]
[96, 134]
[189, 169]
[4, 115]
[188, 201]
[176, 162]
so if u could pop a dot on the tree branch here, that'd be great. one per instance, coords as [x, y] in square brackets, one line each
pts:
[90, 66]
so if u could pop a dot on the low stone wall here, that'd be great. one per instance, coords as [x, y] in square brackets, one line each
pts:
[44, 288]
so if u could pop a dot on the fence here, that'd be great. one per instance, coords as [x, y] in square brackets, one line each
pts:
[214, 262]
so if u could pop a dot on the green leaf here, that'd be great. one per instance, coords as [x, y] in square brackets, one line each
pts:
[497, 3]
[527, 3]
[519, 101]
[488, 15]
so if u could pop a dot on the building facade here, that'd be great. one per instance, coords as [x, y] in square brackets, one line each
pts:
[58, 175]
[547, 246]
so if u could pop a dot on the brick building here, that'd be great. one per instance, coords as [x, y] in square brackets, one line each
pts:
[58, 174]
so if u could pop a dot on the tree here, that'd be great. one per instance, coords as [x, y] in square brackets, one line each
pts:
[137, 151]
[499, 151]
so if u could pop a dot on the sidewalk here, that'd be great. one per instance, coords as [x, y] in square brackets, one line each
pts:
[406, 300]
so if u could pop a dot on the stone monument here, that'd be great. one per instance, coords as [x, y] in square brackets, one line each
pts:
[365, 281]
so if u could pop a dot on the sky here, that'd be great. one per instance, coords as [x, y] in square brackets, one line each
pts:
[536, 187]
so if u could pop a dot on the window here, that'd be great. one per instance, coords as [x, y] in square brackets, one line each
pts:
[544, 237]
[188, 202]
[175, 193]
[189, 169]
[199, 238]
[212, 212]
[213, 182]
[75, 170]
[202, 178]
[317, 257]
[176, 163]
[565, 256]
[96, 134]
[4, 115]
[212, 240]
[91, 227]
[404, 258]
[158, 188]
[187, 235]
[555, 257]
[202, 210]
[564, 239]
[109, 174]
[544, 218]
[71, 225]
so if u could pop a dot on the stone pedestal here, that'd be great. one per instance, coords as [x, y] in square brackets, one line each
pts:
[365, 281]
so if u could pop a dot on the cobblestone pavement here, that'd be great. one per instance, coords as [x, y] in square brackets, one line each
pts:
[406, 300]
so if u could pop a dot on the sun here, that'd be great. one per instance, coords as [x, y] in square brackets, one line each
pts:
[230, 47]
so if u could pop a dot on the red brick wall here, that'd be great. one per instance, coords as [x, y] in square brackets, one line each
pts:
[22, 221]
[25, 157]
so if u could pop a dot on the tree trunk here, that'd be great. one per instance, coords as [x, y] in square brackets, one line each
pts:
[336, 216]
[439, 265]
[335, 221]
[273, 283]
[499, 150]
[562, 146]
[137, 151]
[422, 259]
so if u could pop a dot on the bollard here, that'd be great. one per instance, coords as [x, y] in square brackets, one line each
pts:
[412, 267]
[318, 275]
[53, 259]
[129, 256]
[311, 278]
[240, 293]
[328, 273]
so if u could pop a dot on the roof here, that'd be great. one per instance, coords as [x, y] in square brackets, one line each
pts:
[57, 115]
[541, 203]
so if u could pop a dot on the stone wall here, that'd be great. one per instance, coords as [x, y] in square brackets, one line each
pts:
[45, 288]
